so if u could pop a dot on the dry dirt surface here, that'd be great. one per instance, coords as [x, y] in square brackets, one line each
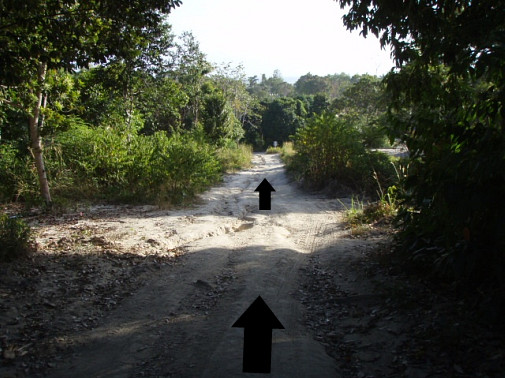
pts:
[138, 291]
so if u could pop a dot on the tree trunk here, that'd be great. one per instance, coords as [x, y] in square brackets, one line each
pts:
[36, 140]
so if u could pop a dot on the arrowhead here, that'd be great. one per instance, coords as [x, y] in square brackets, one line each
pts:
[258, 315]
[265, 187]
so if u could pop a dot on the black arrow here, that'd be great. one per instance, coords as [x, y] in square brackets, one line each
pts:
[265, 189]
[258, 321]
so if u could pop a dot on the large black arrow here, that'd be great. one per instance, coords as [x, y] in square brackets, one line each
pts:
[258, 321]
[265, 189]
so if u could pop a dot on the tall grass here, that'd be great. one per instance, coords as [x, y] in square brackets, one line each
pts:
[118, 165]
[234, 157]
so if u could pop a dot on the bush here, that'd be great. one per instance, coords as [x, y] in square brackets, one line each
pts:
[452, 212]
[234, 157]
[329, 149]
[120, 165]
[183, 167]
[18, 179]
[115, 165]
[14, 238]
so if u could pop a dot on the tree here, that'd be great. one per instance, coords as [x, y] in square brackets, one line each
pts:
[446, 103]
[190, 69]
[319, 104]
[251, 123]
[218, 120]
[311, 84]
[271, 87]
[337, 84]
[160, 100]
[40, 36]
[364, 105]
[231, 81]
[281, 118]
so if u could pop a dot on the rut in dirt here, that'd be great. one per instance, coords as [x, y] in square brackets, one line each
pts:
[179, 322]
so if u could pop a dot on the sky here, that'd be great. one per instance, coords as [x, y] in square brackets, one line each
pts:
[293, 36]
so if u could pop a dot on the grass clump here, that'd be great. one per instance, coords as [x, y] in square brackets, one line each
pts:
[234, 157]
[360, 217]
[274, 150]
[15, 238]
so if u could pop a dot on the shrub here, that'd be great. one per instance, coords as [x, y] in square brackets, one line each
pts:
[183, 167]
[274, 150]
[124, 166]
[120, 165]
[329, 149]
[14, 238]
[234, 157]
[8, 162]
[287, 155]
[18, 179]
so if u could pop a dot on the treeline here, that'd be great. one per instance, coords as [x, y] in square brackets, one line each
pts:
[99, 100]
[335, 123]
[278, 109]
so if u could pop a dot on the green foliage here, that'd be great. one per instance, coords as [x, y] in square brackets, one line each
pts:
[281, 118]
[15, 238]
[274, 150]
[311, 85]
[446, 103]
[184, 167]
[218, 120]
[450, 213]
[319, 104]
[18, 180]
[69, 34]
[268, 88]
[355, 216]
[234, 157]
[329, 150]
[251, 122]
[9, 171]
[332, 86]
[287, 150]
[364, 104]
[189, 69]
[382, 211]
[125, 166]
[231, 81]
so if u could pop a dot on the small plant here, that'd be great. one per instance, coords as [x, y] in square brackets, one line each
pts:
[355, 216]
[15, 238]
[359, 216]
[386, 207]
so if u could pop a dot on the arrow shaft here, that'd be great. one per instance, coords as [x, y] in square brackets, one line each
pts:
[265, 201]
[257, 350]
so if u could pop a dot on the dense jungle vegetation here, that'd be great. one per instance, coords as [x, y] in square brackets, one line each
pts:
[445, 101]
[100, 101]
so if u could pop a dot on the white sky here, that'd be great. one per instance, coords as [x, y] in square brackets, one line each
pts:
[294, 36]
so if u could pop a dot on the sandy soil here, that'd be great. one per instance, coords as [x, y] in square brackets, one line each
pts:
[138, 291]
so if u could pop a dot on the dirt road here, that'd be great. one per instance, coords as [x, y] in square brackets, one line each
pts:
[179, 323]
[124, 291]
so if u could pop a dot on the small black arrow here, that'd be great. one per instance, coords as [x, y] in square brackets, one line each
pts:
[265, 190]
[258, 321]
